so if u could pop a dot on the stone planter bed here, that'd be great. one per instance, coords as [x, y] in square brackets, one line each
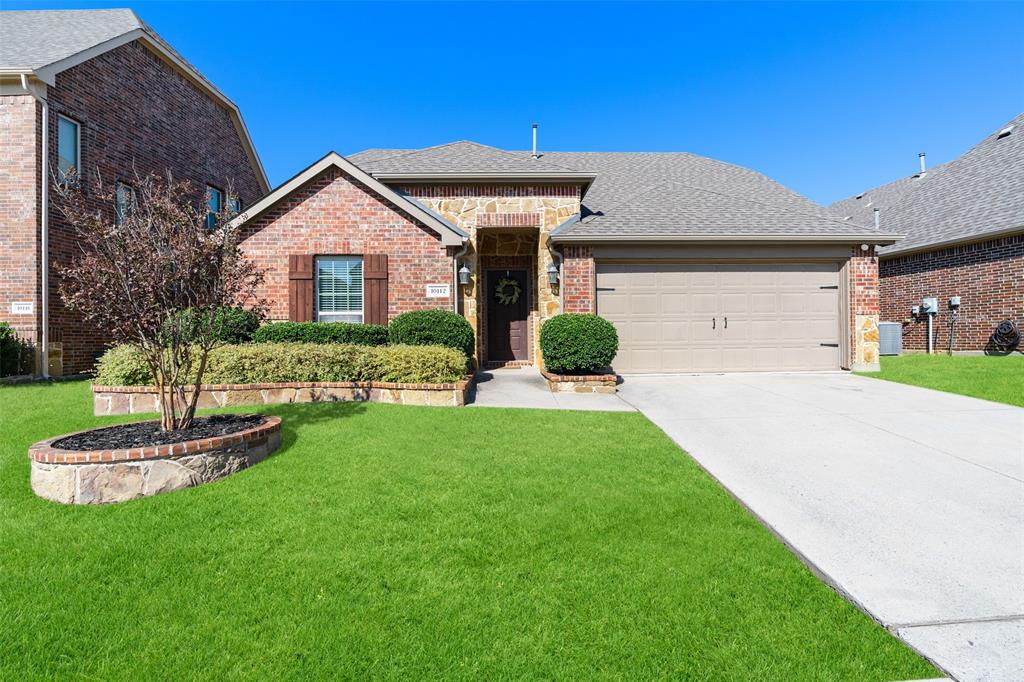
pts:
[113, 400]
[581, 383]
[73, 476]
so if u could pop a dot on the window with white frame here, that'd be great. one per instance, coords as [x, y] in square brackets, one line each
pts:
[214, 204]
[124, 202]
[339, 289]
[68, 151]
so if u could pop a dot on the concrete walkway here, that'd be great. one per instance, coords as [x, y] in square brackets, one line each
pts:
[909, 501]
[525, 387]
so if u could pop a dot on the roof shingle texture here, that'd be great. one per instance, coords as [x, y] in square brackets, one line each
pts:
[34, 39]
[979, 193]
[641, 194]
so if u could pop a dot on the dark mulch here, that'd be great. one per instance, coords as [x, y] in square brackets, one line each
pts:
[148, 433]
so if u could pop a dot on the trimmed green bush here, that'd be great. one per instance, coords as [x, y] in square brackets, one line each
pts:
[231, 324]
[257, 363]
[435, 327]
[574, 343]
[16, 355]
[322, 332]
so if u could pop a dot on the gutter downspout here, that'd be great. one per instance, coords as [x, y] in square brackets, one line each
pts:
[44, 228]
[455, 275]
[561, 290]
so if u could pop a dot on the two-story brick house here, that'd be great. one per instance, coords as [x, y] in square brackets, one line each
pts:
[98, 91]
[701, 265]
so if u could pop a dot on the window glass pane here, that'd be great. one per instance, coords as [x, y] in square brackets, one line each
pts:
[215, 201]
[124, 202]
[236, 205]
[67, 146]
[339, 289]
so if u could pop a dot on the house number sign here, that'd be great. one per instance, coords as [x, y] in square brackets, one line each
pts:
[22, 307]
[438, 290]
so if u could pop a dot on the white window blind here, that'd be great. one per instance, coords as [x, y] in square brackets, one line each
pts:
[339, 289]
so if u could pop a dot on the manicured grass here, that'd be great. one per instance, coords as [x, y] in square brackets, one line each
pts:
[998, 378]
[405, 543]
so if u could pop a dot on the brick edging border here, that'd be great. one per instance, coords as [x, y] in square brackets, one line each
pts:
[44, 452]
[295, 384]
[581, 383]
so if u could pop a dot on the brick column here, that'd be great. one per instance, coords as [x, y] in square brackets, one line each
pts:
[864, 310]
[578, 279]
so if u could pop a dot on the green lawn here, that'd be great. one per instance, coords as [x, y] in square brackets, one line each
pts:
[998, 378]
[400, 542]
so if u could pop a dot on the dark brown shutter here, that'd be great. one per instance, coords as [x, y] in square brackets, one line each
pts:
[375, 289]
[300, 288]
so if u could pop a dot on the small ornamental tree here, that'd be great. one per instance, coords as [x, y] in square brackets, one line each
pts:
[157, 277]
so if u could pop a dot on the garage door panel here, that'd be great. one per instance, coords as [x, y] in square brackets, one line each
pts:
[778, 315]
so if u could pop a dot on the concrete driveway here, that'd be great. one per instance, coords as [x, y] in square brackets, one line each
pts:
[909, 501]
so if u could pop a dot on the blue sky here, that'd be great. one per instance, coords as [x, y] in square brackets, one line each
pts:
[828, 98]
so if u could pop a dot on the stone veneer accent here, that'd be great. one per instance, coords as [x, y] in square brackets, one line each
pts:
[504, 220]
[571, 383]
[864, 302]
[105, 476]
[114, 400]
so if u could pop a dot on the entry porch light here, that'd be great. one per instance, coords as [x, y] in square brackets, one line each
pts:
[464, 273]
[552, 274]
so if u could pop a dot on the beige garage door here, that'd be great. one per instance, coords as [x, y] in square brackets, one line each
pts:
[722, 317]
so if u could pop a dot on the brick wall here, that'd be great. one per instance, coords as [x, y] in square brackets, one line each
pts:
[988, 277]
[19, 177]
[333, 214]
[578, 279]
[863, 307]
[137, 114]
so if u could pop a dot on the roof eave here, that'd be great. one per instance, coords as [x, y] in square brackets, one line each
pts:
[585, 179]
[955, 241]
[874, 239]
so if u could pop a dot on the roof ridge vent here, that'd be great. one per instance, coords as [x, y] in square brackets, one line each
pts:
[1005, 132]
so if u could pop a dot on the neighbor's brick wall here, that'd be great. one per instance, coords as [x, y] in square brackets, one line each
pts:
[864, 301]
[988, 277]
[333, 214]
[19, 200]
[578, 273]
[137, 114]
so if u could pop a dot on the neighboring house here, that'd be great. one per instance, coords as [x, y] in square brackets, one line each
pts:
[701, 265]
[100, 92]
[964, 228]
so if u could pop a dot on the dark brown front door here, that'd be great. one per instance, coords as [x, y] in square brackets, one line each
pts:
[507, 331]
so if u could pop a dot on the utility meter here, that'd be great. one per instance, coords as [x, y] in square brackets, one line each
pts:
[915, 310]
[954, 301]
[930, 305]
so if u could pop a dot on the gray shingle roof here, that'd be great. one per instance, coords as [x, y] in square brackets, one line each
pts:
[643, 194]
[37, 38]
[977, 194]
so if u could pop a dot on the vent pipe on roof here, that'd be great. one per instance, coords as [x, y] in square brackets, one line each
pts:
[535, 155]
[920, 158]
[877, 221]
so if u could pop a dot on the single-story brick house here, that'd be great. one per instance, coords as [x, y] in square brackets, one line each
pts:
[963, 223]
[97, 91]
[701, 265]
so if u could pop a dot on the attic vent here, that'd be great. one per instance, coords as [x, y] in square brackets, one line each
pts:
[1004, 132]
[861, 195]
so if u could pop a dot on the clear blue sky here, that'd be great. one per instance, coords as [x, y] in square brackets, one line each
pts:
[828, 98]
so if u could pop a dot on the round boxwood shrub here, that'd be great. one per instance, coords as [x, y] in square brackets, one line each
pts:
[230, 324]
[436, 327]
[574, 343]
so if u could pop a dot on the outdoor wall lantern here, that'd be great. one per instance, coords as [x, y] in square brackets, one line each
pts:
[464, 273]
[552, 274]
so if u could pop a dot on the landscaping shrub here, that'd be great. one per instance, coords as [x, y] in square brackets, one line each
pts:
[16, 355]
[230, 324]
[257, 363]
[436, 327]
[574, 343]
[322, 332]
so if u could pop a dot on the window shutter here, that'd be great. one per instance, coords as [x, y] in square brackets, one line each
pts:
[300, 288]
[375, 289]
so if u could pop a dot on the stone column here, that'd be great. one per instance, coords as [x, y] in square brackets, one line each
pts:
[864, 310]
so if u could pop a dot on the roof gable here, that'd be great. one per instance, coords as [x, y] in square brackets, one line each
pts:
[450, 235]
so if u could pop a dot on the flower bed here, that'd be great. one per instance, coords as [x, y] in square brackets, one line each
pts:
[589, 383]
[113, 400]
[104, 476]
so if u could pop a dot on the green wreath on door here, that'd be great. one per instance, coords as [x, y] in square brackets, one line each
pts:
[507, 291]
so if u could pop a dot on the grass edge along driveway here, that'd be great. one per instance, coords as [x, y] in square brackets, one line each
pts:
[388, 541]
[989, 377]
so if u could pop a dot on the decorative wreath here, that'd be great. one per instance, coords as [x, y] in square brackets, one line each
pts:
[507, 291]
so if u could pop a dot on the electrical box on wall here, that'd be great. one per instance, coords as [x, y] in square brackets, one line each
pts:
[930, 305]
[954, 301]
